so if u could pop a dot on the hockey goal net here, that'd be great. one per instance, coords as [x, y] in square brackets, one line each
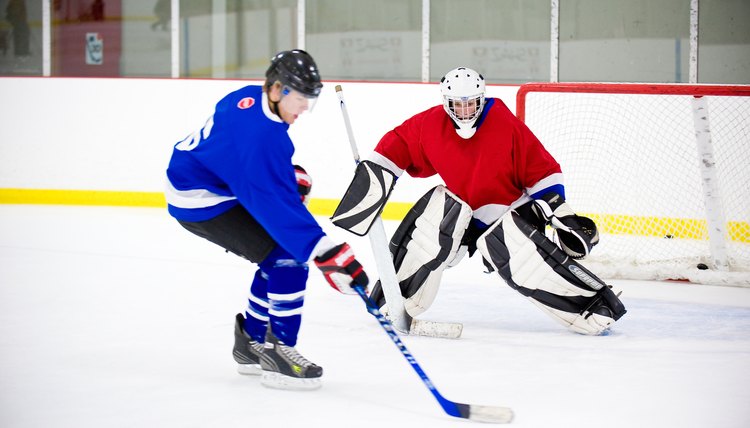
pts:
[664, 171]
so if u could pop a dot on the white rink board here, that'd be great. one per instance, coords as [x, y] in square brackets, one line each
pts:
[117, 134]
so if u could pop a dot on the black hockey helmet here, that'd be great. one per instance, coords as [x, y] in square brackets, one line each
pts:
[297, 70]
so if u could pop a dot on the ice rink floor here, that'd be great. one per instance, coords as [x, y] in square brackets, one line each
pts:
[117, 317]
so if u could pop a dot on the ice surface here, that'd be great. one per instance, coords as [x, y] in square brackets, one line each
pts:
[117, 317]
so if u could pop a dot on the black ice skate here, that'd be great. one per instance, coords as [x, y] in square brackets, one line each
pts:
[284, 367]
[246, 351]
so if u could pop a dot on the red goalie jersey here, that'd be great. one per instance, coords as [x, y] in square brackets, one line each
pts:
[502, 166]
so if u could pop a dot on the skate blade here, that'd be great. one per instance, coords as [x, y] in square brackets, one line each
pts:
[249, 369]
[277, 380]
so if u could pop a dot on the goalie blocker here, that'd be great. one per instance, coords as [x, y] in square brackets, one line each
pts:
[365, 198]
[535, 267]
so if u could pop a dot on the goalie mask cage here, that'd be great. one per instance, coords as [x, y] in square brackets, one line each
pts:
[663, 170]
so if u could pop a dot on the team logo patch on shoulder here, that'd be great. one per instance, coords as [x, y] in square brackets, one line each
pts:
[246, 103]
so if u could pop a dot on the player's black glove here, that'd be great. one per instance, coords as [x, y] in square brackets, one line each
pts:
[341, 269]
[577, 234]
[304, 183]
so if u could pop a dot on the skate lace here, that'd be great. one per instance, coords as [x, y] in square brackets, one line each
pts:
[295, 356]
[257, 346]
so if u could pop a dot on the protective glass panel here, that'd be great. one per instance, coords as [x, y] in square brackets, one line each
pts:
[724, 41]
[507, 41]
[20, 38]
[365, 39]
[624, 41]
[234, 38]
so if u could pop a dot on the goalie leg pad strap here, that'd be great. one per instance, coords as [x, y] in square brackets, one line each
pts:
[365, 198]
[426, 239]
[534, 266]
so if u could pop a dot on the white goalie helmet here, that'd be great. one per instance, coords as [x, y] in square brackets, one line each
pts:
[463, 99]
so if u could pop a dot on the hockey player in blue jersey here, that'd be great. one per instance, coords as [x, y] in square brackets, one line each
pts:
[233, 183]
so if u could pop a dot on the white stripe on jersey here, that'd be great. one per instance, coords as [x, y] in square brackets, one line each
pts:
[545, 182]
[194, 198]
[490, 213]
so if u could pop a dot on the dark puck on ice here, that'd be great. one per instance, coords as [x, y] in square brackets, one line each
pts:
[702, 266]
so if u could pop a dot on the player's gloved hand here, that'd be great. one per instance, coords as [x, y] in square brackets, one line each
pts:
[304, 183]
[341, 269]
[577, 234]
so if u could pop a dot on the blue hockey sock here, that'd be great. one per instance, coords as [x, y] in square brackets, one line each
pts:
[286, 296]
[256, 314]
[277, 295]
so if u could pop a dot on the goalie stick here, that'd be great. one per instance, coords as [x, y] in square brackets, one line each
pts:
[402, 321]
[490, 414]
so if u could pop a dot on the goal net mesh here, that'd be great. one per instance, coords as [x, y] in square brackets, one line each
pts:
[631, 163]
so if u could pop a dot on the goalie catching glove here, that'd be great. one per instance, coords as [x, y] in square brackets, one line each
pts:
[577, 234]
[341, 269]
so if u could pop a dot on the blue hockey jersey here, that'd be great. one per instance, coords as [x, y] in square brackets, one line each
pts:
[242, 155]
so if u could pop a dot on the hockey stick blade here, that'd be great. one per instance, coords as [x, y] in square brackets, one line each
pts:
[489, 414]
[443, 330]
[427, 328]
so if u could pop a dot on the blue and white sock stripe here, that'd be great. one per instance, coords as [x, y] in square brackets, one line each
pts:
[287, 304]
[257, 307]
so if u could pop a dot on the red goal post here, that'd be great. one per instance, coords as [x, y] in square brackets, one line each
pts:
[663, 169]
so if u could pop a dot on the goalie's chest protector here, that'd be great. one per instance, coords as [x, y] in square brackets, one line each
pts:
[495, 166]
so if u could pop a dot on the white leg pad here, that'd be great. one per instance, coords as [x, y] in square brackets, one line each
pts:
[432, 241]
[534, 266]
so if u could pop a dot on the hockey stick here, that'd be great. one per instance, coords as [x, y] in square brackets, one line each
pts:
[379, 242]
[491, 414]
[388, 279]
